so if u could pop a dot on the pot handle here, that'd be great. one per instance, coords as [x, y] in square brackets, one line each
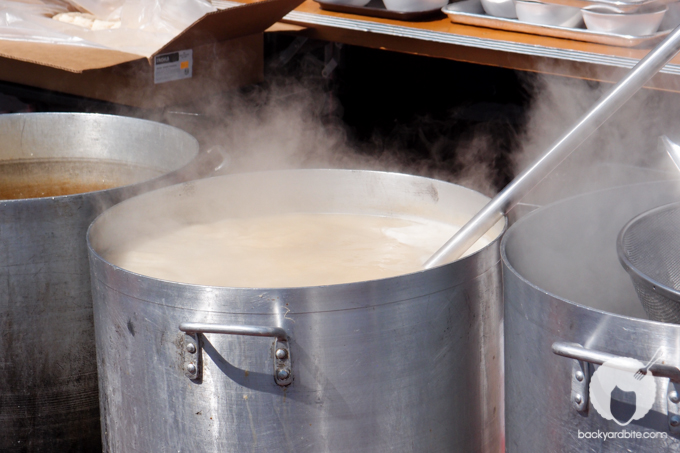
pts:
[283, 371]
[580, 379]
[577, 352]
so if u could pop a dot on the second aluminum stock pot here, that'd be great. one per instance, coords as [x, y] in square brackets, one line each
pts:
[571, 315]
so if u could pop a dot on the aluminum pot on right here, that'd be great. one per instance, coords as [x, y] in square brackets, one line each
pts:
[585, 369]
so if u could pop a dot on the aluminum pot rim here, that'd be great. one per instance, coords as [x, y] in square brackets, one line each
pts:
[374, 285]
[506, 262]
[68, 197]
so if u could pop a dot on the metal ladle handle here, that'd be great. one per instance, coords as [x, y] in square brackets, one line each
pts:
[560, 150]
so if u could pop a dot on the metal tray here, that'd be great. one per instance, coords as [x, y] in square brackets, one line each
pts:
[376, 8]
[576, 34]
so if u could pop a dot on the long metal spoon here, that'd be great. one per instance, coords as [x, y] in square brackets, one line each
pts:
[507, 198]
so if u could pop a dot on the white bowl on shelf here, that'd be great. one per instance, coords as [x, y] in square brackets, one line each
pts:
[642, 23]
[349, 2]
[500, 8]
[547, 14]
[408, 6]
[465, 6]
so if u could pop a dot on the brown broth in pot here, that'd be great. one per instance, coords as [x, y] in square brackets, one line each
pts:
[53, 178]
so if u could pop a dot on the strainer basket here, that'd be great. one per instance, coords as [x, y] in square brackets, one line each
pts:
[649, 250]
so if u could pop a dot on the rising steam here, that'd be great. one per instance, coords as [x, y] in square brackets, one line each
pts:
[295, 121]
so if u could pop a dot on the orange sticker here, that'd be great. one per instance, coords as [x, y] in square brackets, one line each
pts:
[184, 65]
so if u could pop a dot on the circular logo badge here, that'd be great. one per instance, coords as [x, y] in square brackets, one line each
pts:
[619, 375]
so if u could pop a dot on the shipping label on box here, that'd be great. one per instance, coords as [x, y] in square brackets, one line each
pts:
[172, 66]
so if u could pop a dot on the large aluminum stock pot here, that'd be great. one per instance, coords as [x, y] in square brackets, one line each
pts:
[570, 308]
[410, 363]
[48, 389]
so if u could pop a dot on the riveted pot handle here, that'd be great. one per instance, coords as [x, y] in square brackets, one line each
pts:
[283, 372]
[577, 352]
[580, 378]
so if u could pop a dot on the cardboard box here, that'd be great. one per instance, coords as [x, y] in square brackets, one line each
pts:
[226, 52]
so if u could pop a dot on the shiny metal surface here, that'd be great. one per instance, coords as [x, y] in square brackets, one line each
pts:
[410, 364]
[507, 198]
[563, 284]
[48, 390]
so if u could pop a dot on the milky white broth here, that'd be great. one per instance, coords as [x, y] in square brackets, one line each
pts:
[288, 250]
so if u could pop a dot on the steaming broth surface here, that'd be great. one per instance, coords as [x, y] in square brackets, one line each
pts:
[288, 250]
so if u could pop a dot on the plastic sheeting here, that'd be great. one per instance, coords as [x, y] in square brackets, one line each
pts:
[145, 25]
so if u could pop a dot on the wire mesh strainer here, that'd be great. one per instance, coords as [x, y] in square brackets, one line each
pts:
[649, 250]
